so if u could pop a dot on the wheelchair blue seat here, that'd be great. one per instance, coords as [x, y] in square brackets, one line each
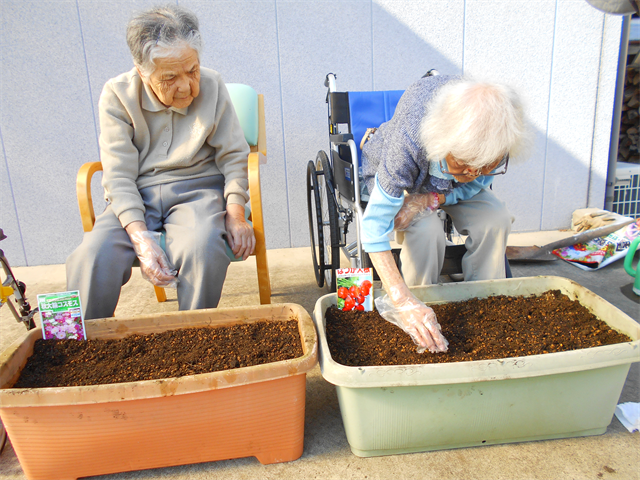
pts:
[357, 111]
[370, 110]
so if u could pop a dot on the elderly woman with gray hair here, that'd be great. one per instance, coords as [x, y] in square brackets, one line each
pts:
[174, 157]
[447, 140]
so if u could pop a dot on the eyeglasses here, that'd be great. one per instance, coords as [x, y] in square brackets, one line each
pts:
[500, 169]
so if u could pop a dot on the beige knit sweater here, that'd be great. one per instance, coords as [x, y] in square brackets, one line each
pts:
[144, 143]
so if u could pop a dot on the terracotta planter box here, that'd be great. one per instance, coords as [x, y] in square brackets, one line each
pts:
[415, 408]
[71, 432]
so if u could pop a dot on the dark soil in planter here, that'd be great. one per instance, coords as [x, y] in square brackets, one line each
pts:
[477, 329]
[174, 353]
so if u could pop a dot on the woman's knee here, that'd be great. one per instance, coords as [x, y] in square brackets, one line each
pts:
[94, 248]
[501, 219]
[112, 251]
[428, 229]
[204, 246]
[493, 221]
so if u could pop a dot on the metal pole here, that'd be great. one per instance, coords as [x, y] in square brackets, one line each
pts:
[617, 113]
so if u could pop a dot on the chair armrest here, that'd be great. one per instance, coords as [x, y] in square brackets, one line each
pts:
[83, 191]
[255, 194]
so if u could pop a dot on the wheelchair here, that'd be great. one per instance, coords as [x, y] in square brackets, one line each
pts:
[335, 200]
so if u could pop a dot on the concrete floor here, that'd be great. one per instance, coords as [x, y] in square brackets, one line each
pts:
[327, 455]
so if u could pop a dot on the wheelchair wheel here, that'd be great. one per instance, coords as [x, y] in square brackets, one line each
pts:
[323, 223]
[329, 221]
[315, 228]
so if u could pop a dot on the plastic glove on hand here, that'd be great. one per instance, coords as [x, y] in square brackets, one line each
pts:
[415, 207]
[154, 263]
[415, 318]
[592, 220]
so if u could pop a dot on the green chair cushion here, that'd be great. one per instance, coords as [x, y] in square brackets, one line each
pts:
[245, 102]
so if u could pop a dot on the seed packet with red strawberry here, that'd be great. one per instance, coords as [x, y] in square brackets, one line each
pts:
[355, 289]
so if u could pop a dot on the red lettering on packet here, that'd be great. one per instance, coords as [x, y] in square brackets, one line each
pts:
[344, 271]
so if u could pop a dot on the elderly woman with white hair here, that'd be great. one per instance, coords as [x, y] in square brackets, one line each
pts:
[174, 157]
[449, 137]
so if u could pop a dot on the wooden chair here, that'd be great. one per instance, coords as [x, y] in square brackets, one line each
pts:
[250, 109]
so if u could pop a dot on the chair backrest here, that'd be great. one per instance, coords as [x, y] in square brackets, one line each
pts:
[245, 102]
[371, 109]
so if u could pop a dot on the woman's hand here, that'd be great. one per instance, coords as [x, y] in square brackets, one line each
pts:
[154, 264]
[239, 233]
[403, 309]
[415, 207]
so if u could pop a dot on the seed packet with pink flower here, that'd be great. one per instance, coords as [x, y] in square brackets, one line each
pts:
[61, 315]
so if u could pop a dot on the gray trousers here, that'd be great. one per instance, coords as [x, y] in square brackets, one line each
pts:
[486, 221]
[192, 212]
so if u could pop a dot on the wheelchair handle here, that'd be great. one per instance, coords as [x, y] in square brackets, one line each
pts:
[330, 82]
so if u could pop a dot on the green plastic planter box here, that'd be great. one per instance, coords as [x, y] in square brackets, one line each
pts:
[416, 408]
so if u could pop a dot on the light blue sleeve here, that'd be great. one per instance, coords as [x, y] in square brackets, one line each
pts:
[468, 190]
[377, 221]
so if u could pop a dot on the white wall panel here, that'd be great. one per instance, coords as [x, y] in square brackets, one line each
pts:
[561, 55]
[512, 42]
[412, 37]
[46, 122]
[572, 100]
[12, 245]
[316, 38]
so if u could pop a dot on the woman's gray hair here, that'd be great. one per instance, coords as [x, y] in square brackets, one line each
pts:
[161, 32]
[476, 122]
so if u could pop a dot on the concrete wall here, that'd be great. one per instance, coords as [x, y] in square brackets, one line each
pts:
[56, 56]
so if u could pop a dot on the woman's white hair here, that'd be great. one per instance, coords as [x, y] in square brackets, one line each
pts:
[162, 32]
[476, 122]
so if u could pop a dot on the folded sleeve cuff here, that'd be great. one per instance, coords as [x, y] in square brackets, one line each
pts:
[377, 247]
[236, 198]
[130, 216]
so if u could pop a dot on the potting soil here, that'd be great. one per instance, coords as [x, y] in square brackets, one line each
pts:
[477, 329]
[174, 353]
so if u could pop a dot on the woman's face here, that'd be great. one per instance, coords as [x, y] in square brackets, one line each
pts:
[463, 173]
[176, 80]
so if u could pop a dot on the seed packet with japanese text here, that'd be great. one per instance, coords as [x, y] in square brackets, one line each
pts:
[355, 289]
[600, 252]
[61, 315]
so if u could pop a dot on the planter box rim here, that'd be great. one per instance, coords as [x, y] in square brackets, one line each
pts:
[486, 370]
[119, 327]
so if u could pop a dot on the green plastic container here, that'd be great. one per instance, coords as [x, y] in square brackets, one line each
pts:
[417, 408]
